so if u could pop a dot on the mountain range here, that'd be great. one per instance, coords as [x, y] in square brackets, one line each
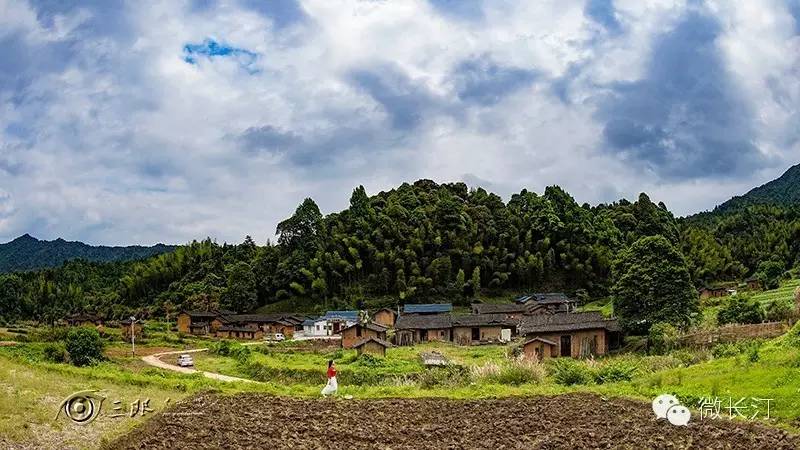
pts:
[784, 191]
[28, 253]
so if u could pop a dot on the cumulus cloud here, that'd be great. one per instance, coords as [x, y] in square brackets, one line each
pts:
[136, 123]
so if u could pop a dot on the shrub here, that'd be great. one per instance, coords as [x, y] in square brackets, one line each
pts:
[520, 371]
[567, 371]
[367, 360]
[451, 375]
[662, 338]
[51, 334]
[753, 354]
[690, 358]
[740, 309]
[54, 352]
[779, 311]
[84, 346]
[614, 372]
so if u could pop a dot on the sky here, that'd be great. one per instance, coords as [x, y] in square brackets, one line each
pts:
[143, 122]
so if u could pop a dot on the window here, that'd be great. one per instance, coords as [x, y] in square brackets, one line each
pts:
[358, 331]
[317, 327]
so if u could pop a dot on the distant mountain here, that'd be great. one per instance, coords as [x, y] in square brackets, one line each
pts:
[784, 191]
[29, 253]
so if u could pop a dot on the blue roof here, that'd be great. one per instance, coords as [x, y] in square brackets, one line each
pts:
[345, 315]
[309, 322]
[428, 308]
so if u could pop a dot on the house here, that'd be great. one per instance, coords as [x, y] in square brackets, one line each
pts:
[239, 332]
[266, 323]
[713, 292]
[127, 330]
[385, 316]
[201, 322]
[415, 328]
[539, 348]
[429, 308]
[510, 310]
[753, 283]
[330, 324]
[475, 328]
[553, 302]
[372, 345]
[358, 332]
[574, 335]
[84, 320]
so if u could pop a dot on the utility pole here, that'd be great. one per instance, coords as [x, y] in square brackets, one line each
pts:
[133, 335]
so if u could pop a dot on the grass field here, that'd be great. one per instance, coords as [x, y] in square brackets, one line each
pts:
[32, 389]
[785, 293]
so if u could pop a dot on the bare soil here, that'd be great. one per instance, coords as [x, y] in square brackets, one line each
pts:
[244, 421]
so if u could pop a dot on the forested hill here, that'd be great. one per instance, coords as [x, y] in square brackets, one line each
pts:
[784, 191]
[28, 253]
[419, 242]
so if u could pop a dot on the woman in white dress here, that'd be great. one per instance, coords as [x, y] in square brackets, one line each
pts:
[332, 385]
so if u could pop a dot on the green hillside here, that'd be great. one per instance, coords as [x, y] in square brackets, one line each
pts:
[29, 253]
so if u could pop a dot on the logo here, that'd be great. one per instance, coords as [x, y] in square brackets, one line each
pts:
[667, 406]
[81, 407]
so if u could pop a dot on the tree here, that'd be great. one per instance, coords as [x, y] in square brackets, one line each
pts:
[300, 231]
[652, 284]
[84, 346]
[740, 309]
[476, 281]
[770, 272]
[11, 297]
[240, 293]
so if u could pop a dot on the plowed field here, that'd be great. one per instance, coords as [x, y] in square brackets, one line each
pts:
[572, 421]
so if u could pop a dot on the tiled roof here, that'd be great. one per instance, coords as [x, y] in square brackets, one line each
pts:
[476, 320]
[545, 298]
[545, 323]
[374, 339]
[344, 315]
[427, 308]
[370, 326]
[423, 322]
[538, 339]
[489, 308]
[240, 329]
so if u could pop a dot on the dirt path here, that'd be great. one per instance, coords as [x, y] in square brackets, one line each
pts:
[155, 361]
[570, 421]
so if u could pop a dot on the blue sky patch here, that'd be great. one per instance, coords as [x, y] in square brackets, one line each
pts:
[210, 48]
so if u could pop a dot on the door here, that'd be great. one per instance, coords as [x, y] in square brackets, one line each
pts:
[423, 335]
[476, 334]
[566, 345]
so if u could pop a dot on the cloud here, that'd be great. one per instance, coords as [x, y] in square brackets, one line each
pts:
[483, 81]
[110, 136]
[685, 118]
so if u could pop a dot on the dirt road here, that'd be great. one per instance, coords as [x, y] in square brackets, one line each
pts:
[155, 361]
[573, 421]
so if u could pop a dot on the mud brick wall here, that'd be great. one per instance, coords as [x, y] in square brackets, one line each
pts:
[733, 333]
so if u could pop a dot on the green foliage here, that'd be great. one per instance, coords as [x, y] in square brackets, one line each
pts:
[615, 371]
[451, 375]
[55, 352]
[740, 309]
[778, 311]
[568, 372]
[662, 338]
[84, 346]
[652, 285]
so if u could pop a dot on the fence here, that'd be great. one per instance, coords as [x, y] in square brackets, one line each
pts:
[733, 333]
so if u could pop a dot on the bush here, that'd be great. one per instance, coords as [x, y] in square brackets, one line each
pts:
[51, 334]
[568, 372]
[740, 309]
[731, 349]
[662, 338]
[84, 346]
[54, 352]
[779, 311]
[614, 372]
[517, 372]
[451, 375]
[690, 358]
